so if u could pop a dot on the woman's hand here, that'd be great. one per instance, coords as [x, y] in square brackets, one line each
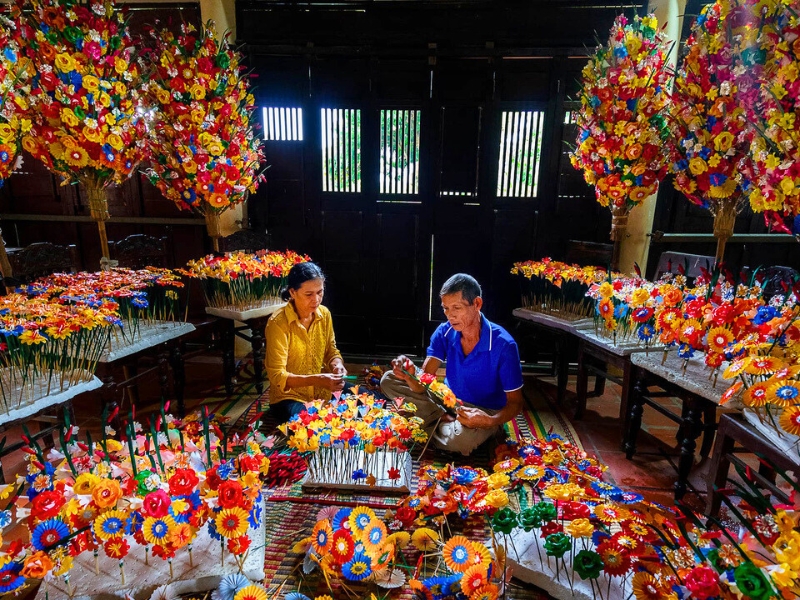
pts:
[337, 368]
[329, 381]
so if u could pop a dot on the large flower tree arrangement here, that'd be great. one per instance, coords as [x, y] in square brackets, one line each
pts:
[621, 120]
[204, 153]
[719, 76]
[13, 123]
[775, 126]
[84, 98]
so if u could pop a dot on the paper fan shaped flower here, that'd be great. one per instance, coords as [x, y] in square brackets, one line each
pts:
[110, 524]
[456, 553]
[616, 560]
[783, 392]
[156, 530]
[488, 592]
[475, 577]
[374, 536]
[229, 585]
[790, 420]
[764, 365]
[719, 338]
[10, 578]
[251, 592]
[321, 537]
[342, 546]
[231, 522]
[424, 539]
[357, 568]
[646, 587]
[530, 472]
[48, 533]
[756, 395]
[360, 518]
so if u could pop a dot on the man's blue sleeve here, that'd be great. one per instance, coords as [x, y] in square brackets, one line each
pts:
[510, 368]
[438, 345]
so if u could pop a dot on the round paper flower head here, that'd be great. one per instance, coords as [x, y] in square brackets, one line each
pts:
[85, 105]
[251, 592]
[424, 539]
[621, 123]
[205, 155]
[718, 77]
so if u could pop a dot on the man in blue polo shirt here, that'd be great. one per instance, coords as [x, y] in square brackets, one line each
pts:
[482, 369]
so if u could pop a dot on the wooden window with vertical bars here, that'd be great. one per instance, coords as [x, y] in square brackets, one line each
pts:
[399, 140]
[282, 123]
[341, 150]
[520, 153]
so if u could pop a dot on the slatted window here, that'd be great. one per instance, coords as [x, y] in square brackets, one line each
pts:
[283, 124]
[520, 153]
[341, 150]
[399, 168]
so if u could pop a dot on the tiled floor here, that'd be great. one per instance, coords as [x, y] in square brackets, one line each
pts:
[652, 471]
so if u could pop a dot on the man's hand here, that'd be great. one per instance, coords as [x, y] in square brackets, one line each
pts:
[475, 418]
[401, 366]
[329, 381]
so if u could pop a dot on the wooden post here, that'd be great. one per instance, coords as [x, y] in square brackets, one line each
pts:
[5, 265]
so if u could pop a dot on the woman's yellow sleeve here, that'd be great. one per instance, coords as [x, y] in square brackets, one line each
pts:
[277, 340]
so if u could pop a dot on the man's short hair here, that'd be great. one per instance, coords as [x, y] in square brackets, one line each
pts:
[461, 282]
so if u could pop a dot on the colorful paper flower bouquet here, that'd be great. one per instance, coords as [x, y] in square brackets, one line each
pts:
[356, 441]
[556, 288]
[242, 281]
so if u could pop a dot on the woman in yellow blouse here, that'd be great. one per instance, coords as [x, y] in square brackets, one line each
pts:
[301, 345]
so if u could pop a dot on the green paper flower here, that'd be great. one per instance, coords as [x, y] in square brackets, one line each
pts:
[545, 511]
[587, 564]
[557, 544]
[529, 519]
[751, 582]
[504, 520]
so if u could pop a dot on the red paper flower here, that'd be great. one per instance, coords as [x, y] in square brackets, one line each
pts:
[702, 582]
[156, 504]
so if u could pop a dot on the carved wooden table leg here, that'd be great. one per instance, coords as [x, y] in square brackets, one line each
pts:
[228, 363]
[691, 427]
[163, 372]
[582, 383]
[636, 403]
[178, 376]
[257, 341]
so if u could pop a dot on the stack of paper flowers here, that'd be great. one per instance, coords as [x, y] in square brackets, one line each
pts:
[556, 288]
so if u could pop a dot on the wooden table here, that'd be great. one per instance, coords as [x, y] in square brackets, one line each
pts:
[733, 429]
[595, 355]
[698, 393]
[564, 334]
[161, 338]
[49, 399]
[254, 320]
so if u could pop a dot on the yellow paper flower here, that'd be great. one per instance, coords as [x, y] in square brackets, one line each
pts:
[424, 539]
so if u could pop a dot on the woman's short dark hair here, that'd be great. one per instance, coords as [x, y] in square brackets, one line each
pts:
[466, 284]
[298, 275]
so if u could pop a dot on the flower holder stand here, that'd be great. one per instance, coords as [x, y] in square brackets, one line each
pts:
[619, 224]
[200, 573]
[557, 576]
[724, 220]
[98, 208]
[214, 228]
[333, 468]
